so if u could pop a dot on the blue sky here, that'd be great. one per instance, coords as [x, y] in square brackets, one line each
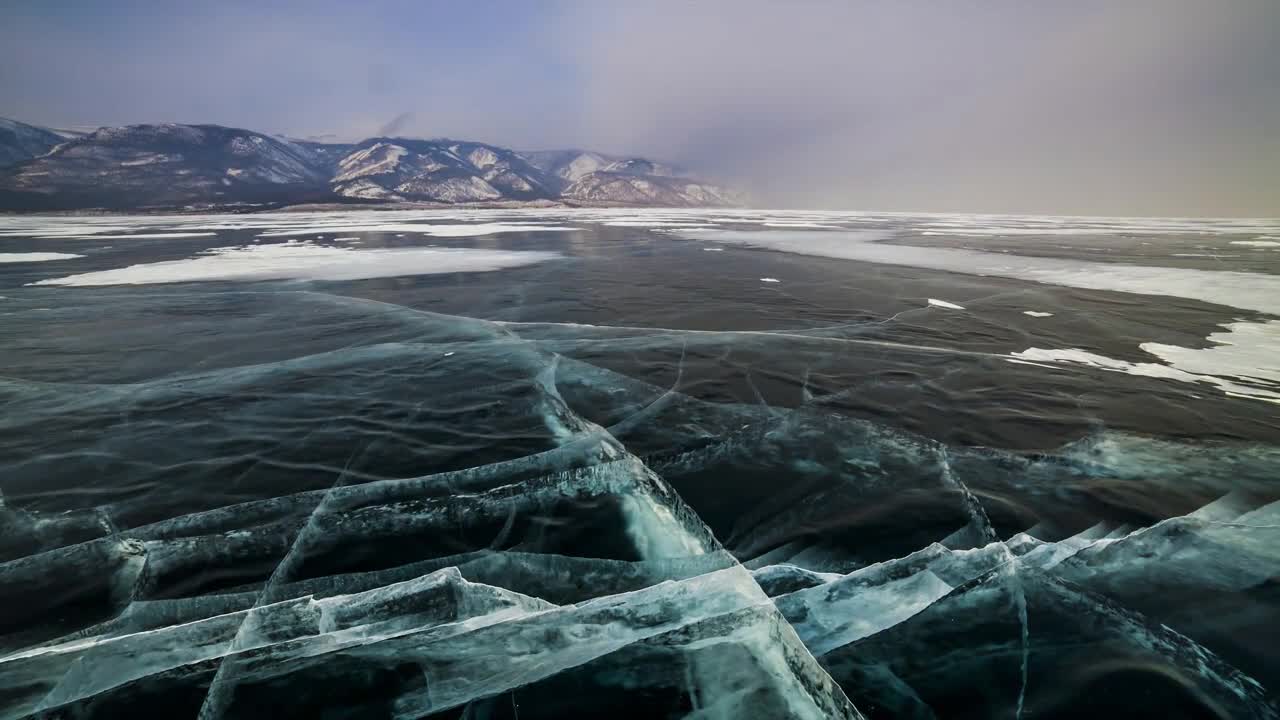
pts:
[1106, 106]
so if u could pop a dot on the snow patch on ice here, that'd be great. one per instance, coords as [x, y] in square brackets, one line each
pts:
[1248, 361]
[441, 230]
[676, 225]
[135, 236]
[1037, 313]
[770, 280]
[1246, 350]
[305, 261]
[35, 257]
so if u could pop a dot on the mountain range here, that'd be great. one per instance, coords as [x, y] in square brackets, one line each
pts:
[173, 166]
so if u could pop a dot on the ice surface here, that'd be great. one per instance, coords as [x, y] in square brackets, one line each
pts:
[922, 661]
[829, 616]
[681, 618]
[551, 532]
[671, 224]
[306, 261]
[302, 627]
[782, 579]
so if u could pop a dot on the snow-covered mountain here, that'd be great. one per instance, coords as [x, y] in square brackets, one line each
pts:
[568, 165]
[592, 177]
[19, 141]
[638, 189]
[573, 165]
[438, 170]
[170, 165]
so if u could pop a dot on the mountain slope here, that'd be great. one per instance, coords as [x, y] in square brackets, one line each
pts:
[166, 165]
[19, 141]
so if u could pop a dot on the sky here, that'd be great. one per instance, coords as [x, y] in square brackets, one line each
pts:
[1111, 107]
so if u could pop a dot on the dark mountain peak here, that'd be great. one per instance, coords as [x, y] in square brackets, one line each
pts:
[20, 141]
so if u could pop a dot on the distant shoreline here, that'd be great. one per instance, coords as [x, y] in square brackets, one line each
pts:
[348, 206]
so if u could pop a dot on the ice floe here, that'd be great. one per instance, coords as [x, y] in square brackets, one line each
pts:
[944, 304]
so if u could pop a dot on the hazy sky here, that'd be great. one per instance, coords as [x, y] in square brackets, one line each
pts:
[1090, 106]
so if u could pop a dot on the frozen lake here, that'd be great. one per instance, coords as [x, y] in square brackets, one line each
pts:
[644, 463]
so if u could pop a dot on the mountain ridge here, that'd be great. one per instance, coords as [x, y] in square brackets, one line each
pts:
[191, 166]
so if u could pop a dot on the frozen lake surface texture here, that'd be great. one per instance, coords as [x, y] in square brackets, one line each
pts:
[639, 464]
